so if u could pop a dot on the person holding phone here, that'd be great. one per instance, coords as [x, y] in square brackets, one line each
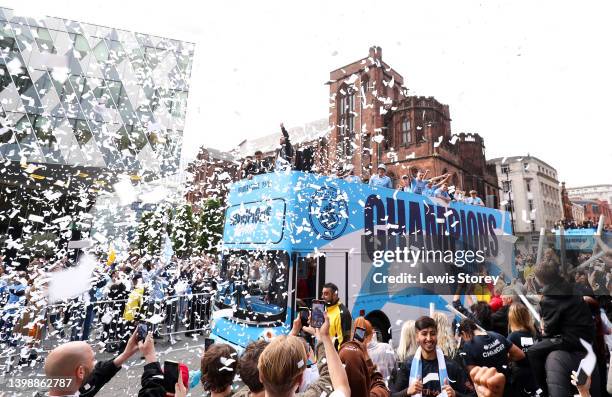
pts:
[76, 360]
[218, 367]
[339, 315]
[381, 354]
[363, 376]
[282, 365]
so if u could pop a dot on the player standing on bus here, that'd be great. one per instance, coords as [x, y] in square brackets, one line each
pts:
[381, 179]
[284, 155]
[339, 315]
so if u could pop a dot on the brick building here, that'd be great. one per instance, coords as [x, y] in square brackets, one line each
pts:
[212, 171]
[568, 212]
[578, 213]
[593, 209]
[374, 121]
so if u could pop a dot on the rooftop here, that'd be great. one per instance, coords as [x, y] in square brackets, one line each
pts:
[8, 17]
[297, 135]
[519, 158]
[590, 186]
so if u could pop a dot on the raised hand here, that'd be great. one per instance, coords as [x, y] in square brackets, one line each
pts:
[415, 388]
[488, 382]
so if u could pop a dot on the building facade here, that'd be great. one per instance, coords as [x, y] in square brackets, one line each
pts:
[593, 209]
[577, 213]
[531, 192]
[211, 173]
[375, 121]
[592, 192]
[81, 104]
[566, 204]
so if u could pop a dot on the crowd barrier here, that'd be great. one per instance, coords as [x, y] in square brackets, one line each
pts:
[28, 333]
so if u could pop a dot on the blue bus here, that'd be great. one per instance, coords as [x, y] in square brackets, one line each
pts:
[286, 234]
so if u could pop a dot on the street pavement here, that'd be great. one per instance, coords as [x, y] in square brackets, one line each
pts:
[127, 381]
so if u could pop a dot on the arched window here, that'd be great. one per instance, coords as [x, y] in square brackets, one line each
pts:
[365, 84]
[346, 119]
[406, 135]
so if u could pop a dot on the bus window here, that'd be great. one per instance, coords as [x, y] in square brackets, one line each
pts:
[306, 287]
[336, 271]
[254, 284]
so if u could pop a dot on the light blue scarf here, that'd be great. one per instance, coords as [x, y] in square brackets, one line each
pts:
[416, 369]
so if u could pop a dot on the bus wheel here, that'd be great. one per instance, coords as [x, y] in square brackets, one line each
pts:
[380, 321]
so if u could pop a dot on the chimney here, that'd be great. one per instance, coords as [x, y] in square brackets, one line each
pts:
[376, 52]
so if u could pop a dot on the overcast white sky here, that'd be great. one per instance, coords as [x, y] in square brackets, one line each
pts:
[529, 76]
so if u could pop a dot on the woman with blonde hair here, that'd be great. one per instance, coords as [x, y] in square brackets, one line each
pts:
[405, 350]
[446, 340]
[523, 335]
[407, 343]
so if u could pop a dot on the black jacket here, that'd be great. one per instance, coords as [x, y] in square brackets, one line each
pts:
[566, 314]
[257, 167]
[460, 382]
[286, 150]
[499, 320]
[559, 366]
[152, 381]
[101, 374]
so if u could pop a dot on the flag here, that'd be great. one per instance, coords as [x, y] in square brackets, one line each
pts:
[112, 255]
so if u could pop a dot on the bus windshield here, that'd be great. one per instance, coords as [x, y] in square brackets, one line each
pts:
[254, 284]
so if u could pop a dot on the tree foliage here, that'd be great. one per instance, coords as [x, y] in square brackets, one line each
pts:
[188, 232]
[183, 231]
[210, 226]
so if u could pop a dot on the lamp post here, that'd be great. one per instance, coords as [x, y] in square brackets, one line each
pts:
[507, 172]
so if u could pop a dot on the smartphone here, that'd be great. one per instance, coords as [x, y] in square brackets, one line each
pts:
[587, 364]
[141, 331]
[359, 334]
[208, 342]
[171, 375]
[318, 308]
[582, 377]
[304, 313]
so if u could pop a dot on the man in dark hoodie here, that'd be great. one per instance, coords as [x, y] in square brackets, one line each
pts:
[566, 319]
[364, 378]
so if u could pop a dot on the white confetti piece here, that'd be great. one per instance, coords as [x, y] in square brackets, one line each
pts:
[125, 191]
[72, 282]
[36, 218]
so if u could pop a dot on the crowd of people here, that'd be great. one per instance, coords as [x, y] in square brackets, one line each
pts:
[503, 341]
[526, 338]
[573, 224]
[173, 297]
[413, 182]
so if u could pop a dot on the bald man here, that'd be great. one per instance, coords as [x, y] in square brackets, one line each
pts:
[76, 361]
